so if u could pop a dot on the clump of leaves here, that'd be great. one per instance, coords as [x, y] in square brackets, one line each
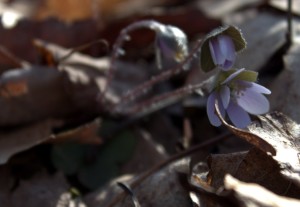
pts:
[94, 166]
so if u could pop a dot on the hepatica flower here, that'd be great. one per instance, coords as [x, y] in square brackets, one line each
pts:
[171, 45]
[220, 47]
[237, 95]
[222, 51]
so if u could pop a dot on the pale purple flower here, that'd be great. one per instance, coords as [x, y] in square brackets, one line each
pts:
[222, 51]
[171, 46]
[237, 98]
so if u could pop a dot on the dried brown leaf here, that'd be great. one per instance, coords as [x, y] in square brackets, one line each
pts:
[253, 195]
[283, 5]
[265, 33]
[246, 135]
[252, 166]
[85, 134]
[283, 134]
[161, 189]
[285, 95]
[43, 190]
[24, 138]
[219, 9]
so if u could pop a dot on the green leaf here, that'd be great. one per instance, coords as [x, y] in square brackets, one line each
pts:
[109, 158]
[119, 149]
[96, 175]
[237, 37]
[247, 75]
[68, 157]
[206, 60]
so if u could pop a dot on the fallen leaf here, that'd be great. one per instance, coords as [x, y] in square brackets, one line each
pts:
[42, 190]
[252, 166]
[13, 88]
[23, 138]
[161, 189]
[283, 134]
[253, 195]
[252, 138]
[219, 9]
[265, 33]
[85, 134]
[285, 95]
[283, 5]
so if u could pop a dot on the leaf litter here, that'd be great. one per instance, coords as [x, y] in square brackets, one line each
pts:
[54, 105]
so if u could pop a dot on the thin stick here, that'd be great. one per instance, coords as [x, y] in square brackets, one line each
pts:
[289, 34]
[17, 62]
[166, 99]
[127, 189]
[82, 47]
[117, 47]
[165, 163]
[136, 92]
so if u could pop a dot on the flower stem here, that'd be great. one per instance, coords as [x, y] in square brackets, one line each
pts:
[117, 48]
[139, 90]
[289, 35]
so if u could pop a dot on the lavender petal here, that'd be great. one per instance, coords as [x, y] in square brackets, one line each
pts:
[253, 102]
[210, 108]
[228, 50]
[225, 95]
[227, 64]
[239, 117]
[215, 51]
[259, 88]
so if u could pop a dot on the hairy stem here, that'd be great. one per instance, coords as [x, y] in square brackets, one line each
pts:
[117, 48]
[139, 90]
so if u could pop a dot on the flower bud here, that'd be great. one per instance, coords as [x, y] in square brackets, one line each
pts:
[222, 51]
[219, 48]
[171, 46]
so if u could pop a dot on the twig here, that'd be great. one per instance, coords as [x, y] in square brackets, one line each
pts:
[117, 49]
[136, 92]
[289, 34]
[82, 47]
[12, 58]
[164, 100]
[165, 163]
[130, 192]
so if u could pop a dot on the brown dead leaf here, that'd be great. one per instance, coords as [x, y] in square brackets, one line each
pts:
[161, 189]
[153, 153]
[12, 89]
[219, 9]
[51, 30]
[85, 134]
[252, 166]
[283, 5]
[104, 10]
[265, 33]
[85, 31]
[253, 195]
[7, 182]
[246, 135]
[56, 55]
[277, 134]
[40, 92]
[285, 95]
[44, 95]
[23, 138]
[283, 134]
[43, 190]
